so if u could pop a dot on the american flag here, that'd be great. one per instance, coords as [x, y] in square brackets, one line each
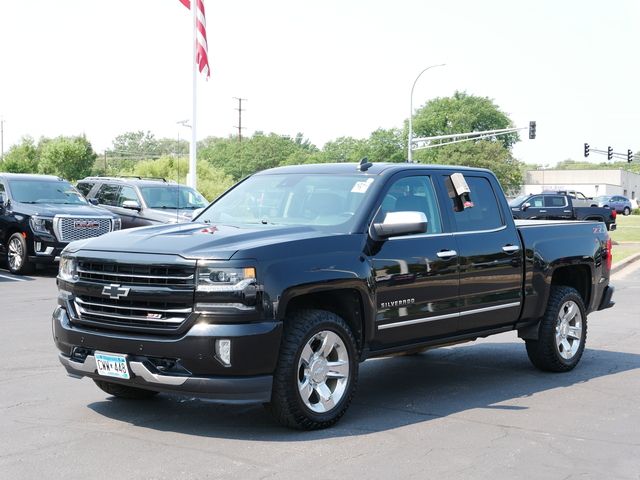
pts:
[202, 58]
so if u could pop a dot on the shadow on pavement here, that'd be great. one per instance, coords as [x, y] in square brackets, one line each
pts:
[392, 392]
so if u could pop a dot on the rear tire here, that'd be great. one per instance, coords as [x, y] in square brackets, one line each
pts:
[17, 255]
[317, 371]
[123, 391]
[626, 211]
[562, 333]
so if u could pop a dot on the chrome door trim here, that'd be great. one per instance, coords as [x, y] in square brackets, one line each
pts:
[448, 315]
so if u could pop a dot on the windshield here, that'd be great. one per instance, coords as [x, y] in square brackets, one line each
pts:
[292, 199]
[518, 200]
[173, 196]
[43, 191]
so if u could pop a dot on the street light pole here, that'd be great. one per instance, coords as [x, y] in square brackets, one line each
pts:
[410, 144]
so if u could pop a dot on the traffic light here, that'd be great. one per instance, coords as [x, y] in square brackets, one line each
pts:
[532, 129]
[629, 156]
[586, 150]
[609, 153]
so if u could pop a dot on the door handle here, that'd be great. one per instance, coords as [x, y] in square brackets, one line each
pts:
[567, 211]
[447, 254]
[543, 211]
[510, 248]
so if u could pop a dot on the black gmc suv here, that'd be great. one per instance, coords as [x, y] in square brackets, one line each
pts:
[143, 201]
[40, 215]
[281, 287]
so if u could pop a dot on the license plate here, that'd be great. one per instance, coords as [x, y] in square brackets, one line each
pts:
[112, 365]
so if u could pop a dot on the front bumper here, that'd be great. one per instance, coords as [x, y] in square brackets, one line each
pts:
[45, 249]
[186, 364]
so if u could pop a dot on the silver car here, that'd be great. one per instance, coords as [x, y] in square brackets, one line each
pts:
[615, 202]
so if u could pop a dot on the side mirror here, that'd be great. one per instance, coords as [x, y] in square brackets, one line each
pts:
[93, 201]
[525, 206]
[1, 202]
[131, 205]
[397, 224]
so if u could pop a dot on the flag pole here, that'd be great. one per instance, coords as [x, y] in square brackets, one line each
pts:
[191, 177]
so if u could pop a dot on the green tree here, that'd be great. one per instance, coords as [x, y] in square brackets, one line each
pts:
[255, 153]
[138, 145]
[462, 113]
[68, 157]
[21, 158]
[385, 146]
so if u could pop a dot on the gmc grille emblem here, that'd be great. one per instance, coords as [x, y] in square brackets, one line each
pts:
[114, 291]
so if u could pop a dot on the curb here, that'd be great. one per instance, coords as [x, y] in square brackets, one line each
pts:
[623, 263]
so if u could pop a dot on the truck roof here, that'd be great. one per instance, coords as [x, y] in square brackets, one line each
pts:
[374, 169]
[30, 176]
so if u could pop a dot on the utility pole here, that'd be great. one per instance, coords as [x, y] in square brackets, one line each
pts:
[239, 127]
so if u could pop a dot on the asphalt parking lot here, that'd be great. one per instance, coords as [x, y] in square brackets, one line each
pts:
[478, 410]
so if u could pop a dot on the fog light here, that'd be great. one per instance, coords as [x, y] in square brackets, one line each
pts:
[223, 351]
[38, 247]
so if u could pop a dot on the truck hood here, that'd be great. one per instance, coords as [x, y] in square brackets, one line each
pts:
[195, 240]
[53, 209]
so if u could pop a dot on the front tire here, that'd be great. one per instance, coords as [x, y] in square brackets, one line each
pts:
[123, 391]
[17, 255]
[317, 371]
[562, 333]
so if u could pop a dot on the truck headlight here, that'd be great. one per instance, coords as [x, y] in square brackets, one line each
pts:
[217, 279]
[40, 224]
[226, 290]
[68, 270]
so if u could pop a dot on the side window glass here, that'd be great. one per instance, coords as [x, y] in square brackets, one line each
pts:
[1, 188]
[554, 201]
[127, 193]
[537, 202]
[85, 188]
[415, 194]
[485, 213]
[108, 195]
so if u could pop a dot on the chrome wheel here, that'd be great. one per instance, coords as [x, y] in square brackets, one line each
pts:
[568, 330]
[323, 371]
[15, 254]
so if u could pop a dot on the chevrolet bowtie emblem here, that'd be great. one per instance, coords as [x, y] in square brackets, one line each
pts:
[115, 291]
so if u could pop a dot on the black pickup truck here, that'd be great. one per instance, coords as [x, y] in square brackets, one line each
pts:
[281, 287]
[559, 206]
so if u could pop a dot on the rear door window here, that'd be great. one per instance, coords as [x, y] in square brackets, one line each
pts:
[485, 213]
[555, 201]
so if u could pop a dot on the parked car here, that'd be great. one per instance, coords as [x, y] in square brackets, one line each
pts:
[143, 201]
[559, 207]
[283, 285]
[40, 215]
[616, 202]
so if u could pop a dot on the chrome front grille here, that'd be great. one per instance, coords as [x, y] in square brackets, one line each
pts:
[159, 275]
[146, 298]
[68, 228]
[131, 314]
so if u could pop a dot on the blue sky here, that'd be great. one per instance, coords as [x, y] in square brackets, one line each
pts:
[325, 68]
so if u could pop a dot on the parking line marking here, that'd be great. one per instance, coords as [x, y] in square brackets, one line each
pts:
[14, 278]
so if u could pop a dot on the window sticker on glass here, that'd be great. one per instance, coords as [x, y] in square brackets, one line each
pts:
[362, 187]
